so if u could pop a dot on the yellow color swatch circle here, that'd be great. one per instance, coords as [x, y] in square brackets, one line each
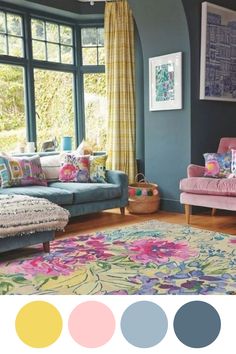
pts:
[38, 324]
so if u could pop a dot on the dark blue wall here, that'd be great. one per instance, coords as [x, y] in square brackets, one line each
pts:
[210, 120]
[163, 29]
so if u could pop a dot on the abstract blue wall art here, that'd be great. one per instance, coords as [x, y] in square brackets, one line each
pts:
[218, 53]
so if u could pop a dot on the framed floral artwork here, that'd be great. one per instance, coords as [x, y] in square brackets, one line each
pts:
[165, 82]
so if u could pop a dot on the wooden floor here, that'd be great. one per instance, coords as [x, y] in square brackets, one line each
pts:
[222, 222]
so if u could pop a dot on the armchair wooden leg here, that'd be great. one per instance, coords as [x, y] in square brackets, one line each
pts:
[46, 247]
[213, 211]
[122, 210]
[187, 208]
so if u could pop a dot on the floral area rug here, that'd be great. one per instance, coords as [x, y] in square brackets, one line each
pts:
[145, 258]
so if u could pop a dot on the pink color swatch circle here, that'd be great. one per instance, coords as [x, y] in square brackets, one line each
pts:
[91, 324]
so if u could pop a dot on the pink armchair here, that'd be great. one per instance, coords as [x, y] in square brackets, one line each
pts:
[215, 193]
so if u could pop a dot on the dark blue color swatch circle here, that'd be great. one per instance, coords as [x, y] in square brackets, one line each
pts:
[197, 324]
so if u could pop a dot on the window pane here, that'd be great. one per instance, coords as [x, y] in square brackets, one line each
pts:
[3, 44]
[54, 105]
[52, 31]
[101, 56]
[14, 24]
[95, 110]
[39, 50]
[89, 37]
[66, 55]
[65, 35]
[12, 108]
[53, 52]
[37, 28]
[101, 37]
[89, 56]
[2, 22]
[15, 45]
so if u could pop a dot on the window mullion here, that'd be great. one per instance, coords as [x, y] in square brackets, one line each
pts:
[29, 80]
[79, 91]
[7, 43]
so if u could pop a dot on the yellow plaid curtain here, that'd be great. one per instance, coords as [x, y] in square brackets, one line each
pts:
[120, 73]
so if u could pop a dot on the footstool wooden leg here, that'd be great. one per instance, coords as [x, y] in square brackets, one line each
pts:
[187, 208]
[122, 210]
[46, 247]
[213, 211]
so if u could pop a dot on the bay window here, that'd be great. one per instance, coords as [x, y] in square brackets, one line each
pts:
[52, 80]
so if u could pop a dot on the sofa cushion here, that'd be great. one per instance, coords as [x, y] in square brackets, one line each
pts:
[21, 171]
[75, 168]
[98, 169]
[212, 186]
[51, 165]
[54, 195]
[90, 192]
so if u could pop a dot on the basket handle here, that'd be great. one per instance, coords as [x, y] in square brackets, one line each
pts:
[143, 180]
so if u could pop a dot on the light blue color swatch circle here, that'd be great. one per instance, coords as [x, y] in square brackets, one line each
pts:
[144, 324]
[197, 324]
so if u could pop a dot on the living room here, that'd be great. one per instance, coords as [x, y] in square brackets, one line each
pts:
[167, 141]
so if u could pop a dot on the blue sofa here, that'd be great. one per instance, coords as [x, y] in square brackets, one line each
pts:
[82, 198]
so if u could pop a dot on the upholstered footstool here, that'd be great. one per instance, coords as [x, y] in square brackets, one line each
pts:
[26, 221]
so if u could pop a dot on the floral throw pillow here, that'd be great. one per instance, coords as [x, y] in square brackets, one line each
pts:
[21, 171]
[98, 169]
[75, 168]
[233, 162]
[217, 165]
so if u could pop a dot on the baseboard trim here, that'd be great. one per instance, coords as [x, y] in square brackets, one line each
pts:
[171, 205]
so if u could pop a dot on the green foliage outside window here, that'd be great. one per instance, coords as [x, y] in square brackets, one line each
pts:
[12, 107]
[54, 90]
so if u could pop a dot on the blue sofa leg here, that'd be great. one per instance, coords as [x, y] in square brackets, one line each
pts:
[122, 210]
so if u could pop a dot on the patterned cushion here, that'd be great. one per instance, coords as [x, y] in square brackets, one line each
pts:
[16, 171]
[233, 162]
[217, 165]
[75, 168]
[98, 169]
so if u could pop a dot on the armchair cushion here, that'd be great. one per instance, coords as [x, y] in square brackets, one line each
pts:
[233, 162]
[210, 186]
[217, 164]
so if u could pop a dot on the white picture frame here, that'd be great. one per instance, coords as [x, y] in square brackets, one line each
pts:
[165, 82]
[218, 53]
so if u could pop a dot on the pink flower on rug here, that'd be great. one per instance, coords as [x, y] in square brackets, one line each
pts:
[150, 250]
[233, 240]
[46, 266]
[96, 247]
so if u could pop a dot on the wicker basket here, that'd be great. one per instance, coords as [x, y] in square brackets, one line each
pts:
[144, 197]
